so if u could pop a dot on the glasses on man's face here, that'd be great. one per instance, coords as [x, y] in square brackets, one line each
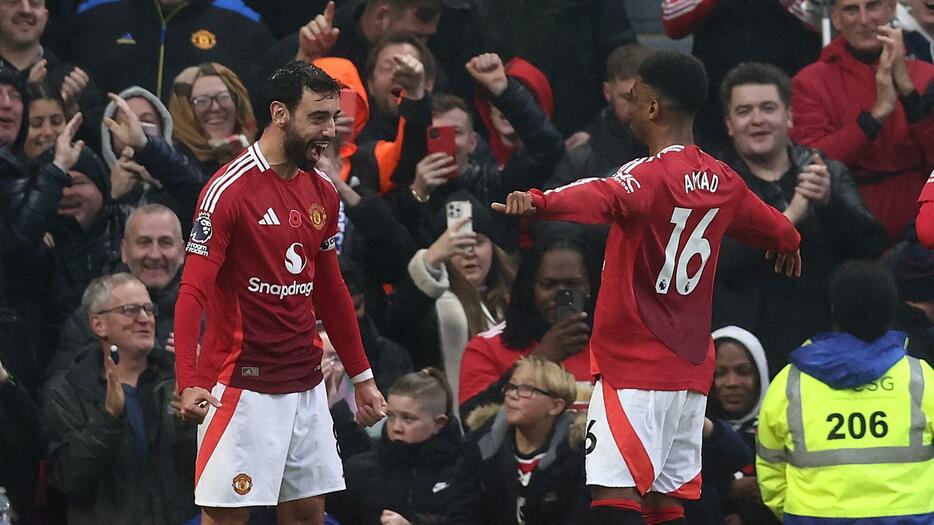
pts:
[203, 102]
[132, 310]
[524, 391]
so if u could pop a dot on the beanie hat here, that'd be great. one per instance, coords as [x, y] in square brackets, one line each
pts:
[10, 76]
[93, 168]
[913, 267]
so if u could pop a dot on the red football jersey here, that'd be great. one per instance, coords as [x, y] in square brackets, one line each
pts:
[924, 224]
[668, 214]
[256, 256]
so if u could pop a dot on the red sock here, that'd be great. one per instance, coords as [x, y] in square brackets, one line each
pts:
[623, 504]
[658, 515]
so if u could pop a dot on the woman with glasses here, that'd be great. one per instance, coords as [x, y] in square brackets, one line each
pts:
[214, 119]
[524, 461]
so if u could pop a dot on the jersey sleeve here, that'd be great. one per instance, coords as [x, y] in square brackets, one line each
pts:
[593, 201]
[761, 226]
[478, 369]
[333, 304]
[680, 18]
[214, 222]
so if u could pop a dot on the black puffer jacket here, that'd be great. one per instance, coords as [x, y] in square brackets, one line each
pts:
[784, 312]
[28, 206]
[21, 445]
[30, 202]
[412, 480]
[93, 458]
[486, 490]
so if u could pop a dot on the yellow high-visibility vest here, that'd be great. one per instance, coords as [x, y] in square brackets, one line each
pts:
[852, 453]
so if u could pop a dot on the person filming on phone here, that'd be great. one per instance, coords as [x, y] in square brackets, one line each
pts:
[548, 316]
[537, 147]
[118, 451]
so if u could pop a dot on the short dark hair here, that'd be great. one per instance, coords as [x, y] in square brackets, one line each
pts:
[623, 63]
[287, 85]
[863, 299]
[425, 56]
[443, 102]
[755, 73]
[678, 77]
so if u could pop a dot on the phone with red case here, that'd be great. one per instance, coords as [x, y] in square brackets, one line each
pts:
[440, 139]
[348, 103]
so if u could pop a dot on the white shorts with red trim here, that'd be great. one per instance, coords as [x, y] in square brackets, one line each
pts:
[647, 439]
[264, 449]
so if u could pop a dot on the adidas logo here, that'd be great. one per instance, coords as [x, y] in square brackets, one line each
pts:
[269, 218]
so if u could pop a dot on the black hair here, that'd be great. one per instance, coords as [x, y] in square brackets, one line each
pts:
[43, 91]
[678, 77]
[863, 299]
[524, 325]
[755, 73]
[287, 85]
[424, 54]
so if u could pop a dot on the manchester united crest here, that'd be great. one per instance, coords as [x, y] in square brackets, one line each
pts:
[203, 39]
[317, 215]
[242, 484]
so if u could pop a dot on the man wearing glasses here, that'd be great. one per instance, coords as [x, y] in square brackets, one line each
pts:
[117, 450]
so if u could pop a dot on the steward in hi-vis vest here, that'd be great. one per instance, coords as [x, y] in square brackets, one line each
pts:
[846, 430]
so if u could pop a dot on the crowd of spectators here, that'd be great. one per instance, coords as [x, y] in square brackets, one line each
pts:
[115, 113]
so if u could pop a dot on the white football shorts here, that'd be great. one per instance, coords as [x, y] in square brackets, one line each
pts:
[264, 449]
[647, 439]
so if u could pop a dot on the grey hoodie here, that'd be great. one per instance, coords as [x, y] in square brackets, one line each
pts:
[107, 150]
[754, 347]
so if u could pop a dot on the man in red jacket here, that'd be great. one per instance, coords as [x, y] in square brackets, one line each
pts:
[651, 348]
[864, 104]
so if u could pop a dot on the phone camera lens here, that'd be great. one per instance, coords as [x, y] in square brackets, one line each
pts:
[434, 133]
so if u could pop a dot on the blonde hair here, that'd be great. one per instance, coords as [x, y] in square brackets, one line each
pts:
[429, 386]
[550, 377]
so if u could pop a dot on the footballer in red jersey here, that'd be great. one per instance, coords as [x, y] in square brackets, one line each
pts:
[262, 268]
[651, 349]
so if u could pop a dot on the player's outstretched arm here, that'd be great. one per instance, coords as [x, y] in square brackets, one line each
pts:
[517, 203]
